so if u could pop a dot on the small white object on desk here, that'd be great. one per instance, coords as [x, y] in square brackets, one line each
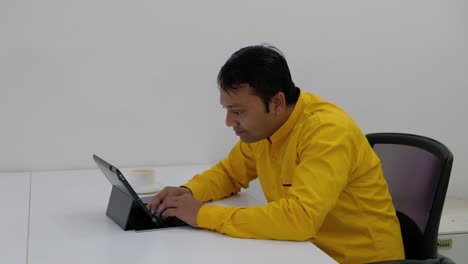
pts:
[142, 180]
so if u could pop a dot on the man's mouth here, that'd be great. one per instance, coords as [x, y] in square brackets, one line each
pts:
[239, 132]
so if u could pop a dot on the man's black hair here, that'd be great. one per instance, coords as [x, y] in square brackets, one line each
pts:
[264, 68]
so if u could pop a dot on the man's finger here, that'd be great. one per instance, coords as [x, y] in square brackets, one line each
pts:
[169, 212]
[152, 203]
[169, 202]
[156, 201]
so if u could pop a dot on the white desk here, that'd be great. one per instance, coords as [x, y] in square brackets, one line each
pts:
[14, 206]
[454, 216]
[454, 229]
[69, 225]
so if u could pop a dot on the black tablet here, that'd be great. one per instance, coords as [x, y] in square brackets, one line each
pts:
[117, 179]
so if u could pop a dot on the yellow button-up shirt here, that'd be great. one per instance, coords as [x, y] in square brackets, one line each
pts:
[323, 183]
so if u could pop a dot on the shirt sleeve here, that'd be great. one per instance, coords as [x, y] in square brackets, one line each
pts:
[324, 164]
[227, 177]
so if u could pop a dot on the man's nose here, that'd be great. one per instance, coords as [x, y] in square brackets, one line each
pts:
[230, 121]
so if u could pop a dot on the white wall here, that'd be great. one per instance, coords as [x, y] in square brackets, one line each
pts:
[134, 81]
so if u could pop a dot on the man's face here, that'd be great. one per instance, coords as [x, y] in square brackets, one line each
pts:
[247, 115]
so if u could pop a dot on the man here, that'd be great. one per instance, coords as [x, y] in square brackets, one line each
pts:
[322, 180]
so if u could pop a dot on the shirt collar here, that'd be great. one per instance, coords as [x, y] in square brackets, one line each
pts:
[288, 126]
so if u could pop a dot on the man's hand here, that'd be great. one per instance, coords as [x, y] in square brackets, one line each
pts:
[169, 191]
[184, 207]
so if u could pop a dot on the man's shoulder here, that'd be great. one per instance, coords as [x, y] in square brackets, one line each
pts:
[321, 117]
[325, 114]
[313, 105]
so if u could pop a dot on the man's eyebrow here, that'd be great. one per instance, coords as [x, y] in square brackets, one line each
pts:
[232, 106]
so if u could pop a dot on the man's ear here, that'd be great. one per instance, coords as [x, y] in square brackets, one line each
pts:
[278, 103]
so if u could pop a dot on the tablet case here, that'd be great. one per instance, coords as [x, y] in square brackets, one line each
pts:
[124, 211]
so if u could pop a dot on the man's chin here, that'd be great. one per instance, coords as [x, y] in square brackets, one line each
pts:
[247, 139]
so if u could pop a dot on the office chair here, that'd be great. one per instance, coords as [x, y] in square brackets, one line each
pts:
[417, 170]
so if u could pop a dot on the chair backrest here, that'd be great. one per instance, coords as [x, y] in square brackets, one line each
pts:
[417, 170]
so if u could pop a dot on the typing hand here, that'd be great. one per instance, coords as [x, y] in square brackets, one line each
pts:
[185, 207]
[155, 202]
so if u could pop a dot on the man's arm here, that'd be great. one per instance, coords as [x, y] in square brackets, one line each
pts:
[318, 180]
[227, 177]
[222, 180]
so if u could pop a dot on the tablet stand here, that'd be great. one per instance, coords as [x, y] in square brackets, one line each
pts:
[126, 213]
